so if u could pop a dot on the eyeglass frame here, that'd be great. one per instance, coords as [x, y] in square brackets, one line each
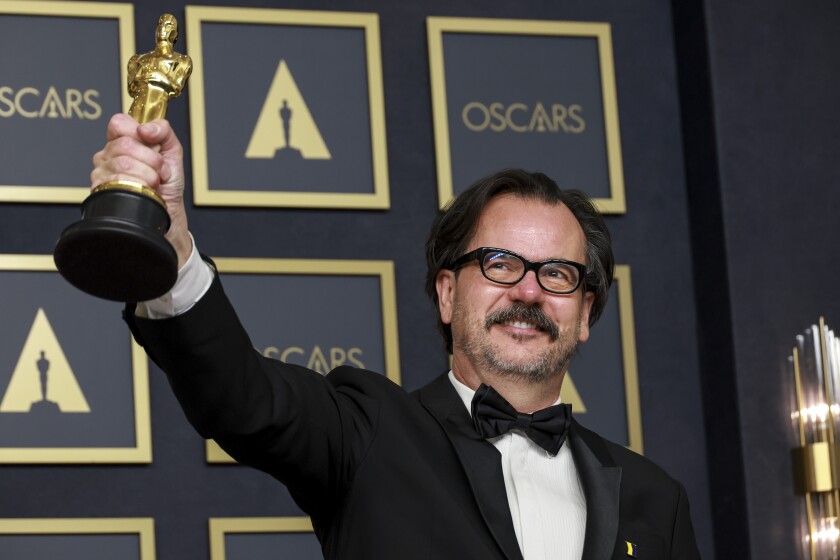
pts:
[481, 252]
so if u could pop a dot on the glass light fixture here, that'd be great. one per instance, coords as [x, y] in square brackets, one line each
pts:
[815, 365]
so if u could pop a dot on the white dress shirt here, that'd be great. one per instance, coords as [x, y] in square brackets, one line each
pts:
[546, 500]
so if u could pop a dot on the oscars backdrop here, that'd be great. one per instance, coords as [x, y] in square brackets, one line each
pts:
[321, 138]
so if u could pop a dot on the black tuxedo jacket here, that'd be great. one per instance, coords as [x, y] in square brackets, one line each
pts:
[385, 474]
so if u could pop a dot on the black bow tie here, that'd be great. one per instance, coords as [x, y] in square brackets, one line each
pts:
[493, 416]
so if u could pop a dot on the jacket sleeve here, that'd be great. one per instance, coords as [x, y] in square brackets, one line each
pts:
[306, 430]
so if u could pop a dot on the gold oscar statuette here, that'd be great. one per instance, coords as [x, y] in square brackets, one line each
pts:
[118, 251]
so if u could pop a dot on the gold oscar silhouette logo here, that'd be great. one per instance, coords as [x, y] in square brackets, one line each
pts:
[285, 129]
[569, 394]
[42, 379]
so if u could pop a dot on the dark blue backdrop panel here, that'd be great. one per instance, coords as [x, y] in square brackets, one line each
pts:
[70, 547]
[97, 356]
[328, 65]
[320, 322]
[273, 546]
[550, 74]
[60, 80]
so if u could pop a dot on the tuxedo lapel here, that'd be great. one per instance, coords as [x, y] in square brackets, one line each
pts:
[481, 461]
[600, 478]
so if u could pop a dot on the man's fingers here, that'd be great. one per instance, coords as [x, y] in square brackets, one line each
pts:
[148, 153]
[117, 153]
[121, 125]
[151, 134]
[125, 168]
[165, 173]
[159, 133]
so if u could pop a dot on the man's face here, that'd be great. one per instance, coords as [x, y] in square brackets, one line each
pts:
[517, 331]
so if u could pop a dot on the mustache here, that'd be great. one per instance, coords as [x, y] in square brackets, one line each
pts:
[525, 313]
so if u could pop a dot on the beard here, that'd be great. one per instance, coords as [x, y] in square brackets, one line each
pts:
[548, 363]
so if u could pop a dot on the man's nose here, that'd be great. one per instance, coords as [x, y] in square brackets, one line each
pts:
[527, 290]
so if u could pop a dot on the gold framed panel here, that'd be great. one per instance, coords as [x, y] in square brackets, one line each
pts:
[630, 373]
[141, 526]
[384, 270]
[124, 14]
[438, 26]
[223, 526]
[628, 353]
[203, 195]
[142, 450]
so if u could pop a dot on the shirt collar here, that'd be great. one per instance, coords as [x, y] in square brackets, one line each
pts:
[467, 394]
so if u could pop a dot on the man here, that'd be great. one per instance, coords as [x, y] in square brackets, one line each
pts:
[484, 462]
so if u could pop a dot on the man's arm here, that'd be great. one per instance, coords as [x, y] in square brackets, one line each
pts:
[304, 429]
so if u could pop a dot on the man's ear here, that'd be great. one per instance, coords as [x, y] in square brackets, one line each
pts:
[586, 308]
[445, 285]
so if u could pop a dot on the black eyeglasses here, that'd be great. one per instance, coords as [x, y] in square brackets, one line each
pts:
[557, 276]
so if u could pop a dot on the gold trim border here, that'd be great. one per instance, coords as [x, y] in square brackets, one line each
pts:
[221, 526]
[203, 195]
[141, 453]
[124, 14]
[437, 26]
[628, 356]
[324, 267]
[144, 527]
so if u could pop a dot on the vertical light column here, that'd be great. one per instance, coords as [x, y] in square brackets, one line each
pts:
[816, 417]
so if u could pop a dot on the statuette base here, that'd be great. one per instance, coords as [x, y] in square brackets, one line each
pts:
[118, 251]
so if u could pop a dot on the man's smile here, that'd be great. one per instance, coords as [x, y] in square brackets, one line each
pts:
[522, 325]
[520, 316]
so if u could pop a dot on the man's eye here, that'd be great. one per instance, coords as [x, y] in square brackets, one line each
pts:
[559, 273]
[500, 262]
[498, 265]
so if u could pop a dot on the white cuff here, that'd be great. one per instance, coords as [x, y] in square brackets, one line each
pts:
[193, 281]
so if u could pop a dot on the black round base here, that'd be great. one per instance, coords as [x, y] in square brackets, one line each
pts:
[118, 251]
